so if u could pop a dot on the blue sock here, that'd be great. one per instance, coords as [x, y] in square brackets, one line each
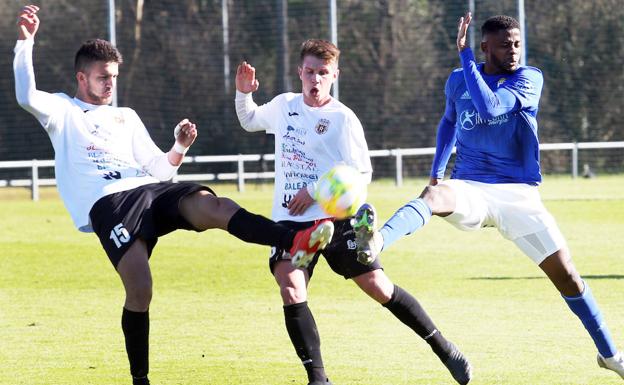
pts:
[586, 308]
[409, 218]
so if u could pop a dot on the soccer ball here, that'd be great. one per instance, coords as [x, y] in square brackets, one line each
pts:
[341, 191]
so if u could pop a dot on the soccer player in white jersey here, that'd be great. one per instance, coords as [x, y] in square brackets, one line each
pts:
[490, 118]
[109, 174]
[314, 132]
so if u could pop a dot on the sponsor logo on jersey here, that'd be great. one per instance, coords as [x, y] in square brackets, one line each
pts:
[322, 126]
[112, 175]
[292, 130]
[351, 245]
[468, 119]
[465, 95]
[300, 175]
[294, 186]
[119, 119]
[500, 82]
[286, 198]
[293, 113]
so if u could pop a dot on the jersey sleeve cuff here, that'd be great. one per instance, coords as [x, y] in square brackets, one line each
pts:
[466, 56]
[22, 44]
[242, 95]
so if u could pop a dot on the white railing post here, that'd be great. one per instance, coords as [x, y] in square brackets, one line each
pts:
[34, 186]
[575, 160]
[241, 173]
[399, 167]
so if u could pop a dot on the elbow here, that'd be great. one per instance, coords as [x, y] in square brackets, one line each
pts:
[25, 99]
[164, 176]
[247, 125]
[488, 113]
[491, 109]
[22, 100]
[161, 169]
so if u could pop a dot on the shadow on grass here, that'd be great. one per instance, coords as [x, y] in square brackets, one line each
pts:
[606, 276]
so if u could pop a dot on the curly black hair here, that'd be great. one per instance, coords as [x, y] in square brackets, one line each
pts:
[499, 23]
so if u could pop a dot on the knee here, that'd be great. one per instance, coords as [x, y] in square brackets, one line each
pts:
[205, 211]
[378, 286]
[381, 294]
[139, 297]
[227, 205]
[435, 198]
[292, 295]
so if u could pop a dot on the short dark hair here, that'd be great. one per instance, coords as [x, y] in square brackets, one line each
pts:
[321, 49]
[96, 50]
[499, 23]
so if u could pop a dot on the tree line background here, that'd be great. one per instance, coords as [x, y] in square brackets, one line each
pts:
[396, 56]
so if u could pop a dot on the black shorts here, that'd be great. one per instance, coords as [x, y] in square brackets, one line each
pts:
[340, 254]
[146, 212]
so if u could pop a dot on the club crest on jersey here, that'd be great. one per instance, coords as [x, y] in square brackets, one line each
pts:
[322, 126]
[500, 82]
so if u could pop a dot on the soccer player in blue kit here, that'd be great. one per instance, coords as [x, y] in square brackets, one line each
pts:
[490, 118]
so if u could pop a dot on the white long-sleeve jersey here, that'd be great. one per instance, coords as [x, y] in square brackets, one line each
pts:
[99, 149]
[309, 141]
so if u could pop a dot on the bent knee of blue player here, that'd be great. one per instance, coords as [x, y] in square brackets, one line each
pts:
[440, 199]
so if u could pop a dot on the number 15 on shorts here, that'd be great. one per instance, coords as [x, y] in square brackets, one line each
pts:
[119, 235]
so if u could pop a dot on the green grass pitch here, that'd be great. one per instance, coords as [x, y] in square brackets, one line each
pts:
[217, 318]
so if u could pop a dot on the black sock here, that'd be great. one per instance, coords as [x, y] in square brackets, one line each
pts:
[135, 326]
[255, 228]
[140, 381]
[407, 309]
[305, 338]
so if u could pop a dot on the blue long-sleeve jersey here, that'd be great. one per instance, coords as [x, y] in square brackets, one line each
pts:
[491, 120]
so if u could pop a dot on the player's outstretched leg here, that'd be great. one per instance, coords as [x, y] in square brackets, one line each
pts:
[369, 241]
[407, 219]
[308, 241]
[409, 311]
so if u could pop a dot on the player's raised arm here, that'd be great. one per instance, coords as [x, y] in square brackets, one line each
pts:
[246, 108]
[27, 22]
[41, 104]
[490, 101]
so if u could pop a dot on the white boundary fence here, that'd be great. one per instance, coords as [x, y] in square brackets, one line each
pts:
[240, 175]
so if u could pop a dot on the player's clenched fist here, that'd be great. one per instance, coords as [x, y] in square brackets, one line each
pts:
[185, 133]
[27, 22]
